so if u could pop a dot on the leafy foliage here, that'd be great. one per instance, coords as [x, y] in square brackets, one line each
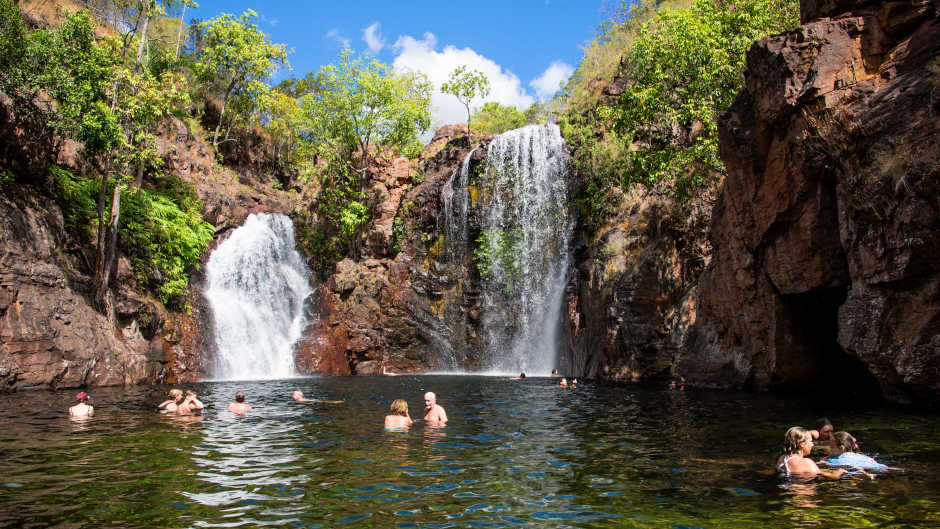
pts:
[237, 59]
[496, 257]
[165, 235]
[494, 118]
[466, 84]
[77, 197]
[679, 66]
[358, 108]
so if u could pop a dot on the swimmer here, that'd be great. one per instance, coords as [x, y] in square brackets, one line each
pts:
[190, 405]
[824, 429]
[238, 407]
[399, 419]
[842, 453]
[797, 444]
[574, 382]
[299, 397]
[563, 383]
[554, 372]
[170, 405]
[434, 414]
[82, 409]
[520, 377]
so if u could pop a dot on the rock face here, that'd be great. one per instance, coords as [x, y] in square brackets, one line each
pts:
[403, 307]
[49, 336]
[826, 233]
[631, 295]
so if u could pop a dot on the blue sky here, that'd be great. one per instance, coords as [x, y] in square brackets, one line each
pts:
[526, 47]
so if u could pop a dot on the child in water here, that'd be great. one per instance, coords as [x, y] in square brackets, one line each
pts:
[399, 419]
[843, 454]
[797, 444]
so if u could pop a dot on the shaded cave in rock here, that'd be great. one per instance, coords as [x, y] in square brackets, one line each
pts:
[819, 362]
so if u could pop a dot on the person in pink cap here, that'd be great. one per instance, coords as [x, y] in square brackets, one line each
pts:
[81, 409]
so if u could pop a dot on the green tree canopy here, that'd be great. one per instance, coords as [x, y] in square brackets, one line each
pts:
[466, 84]
[495, 118]
[238, 59]
[356, 108]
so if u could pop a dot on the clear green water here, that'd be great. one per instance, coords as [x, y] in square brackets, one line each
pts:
[515, 454]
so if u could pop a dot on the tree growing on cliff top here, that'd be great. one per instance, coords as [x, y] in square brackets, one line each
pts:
[357, 108]
[466, 84]
[237, 59]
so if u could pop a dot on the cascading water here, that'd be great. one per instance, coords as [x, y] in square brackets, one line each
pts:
[523, 248]
[257, 284]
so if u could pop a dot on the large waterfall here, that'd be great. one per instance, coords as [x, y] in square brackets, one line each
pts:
[257, 284]
[522, 247]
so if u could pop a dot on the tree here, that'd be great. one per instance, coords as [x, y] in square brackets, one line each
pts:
[237, 55]
[355, 108]
[495, 118]
[361, 104]
[466, 84]
[682, 72]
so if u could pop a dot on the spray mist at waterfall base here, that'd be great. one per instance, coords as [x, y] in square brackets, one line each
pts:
[257, 285]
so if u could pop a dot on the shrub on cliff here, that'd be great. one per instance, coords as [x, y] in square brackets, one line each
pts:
[656, 125]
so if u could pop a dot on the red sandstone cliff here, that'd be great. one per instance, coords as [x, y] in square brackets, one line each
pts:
[827, 234]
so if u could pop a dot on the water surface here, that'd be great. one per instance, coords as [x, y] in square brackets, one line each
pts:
[515, 454]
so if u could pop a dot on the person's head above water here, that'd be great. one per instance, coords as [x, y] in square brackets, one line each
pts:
[824, 427]
[239, 397]
[176, 394]
[399, 407]
[521, 375]
[796, 439]
[554, 372]
[82, 397]
[842, 442]
[298, 395]
[430, 399]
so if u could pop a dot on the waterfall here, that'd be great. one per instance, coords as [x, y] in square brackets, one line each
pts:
[523, 248]
[455, 201]
[257, 284]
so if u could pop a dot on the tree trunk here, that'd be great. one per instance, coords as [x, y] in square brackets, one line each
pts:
[179, 34]
[103, 273]
[143, 37]
[218, 127]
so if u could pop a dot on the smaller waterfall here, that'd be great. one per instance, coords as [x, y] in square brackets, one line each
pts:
[455, 203]
[257, 284]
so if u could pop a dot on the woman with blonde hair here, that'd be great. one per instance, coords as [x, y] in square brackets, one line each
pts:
[170, 405]
[797, 445]
[399, 419]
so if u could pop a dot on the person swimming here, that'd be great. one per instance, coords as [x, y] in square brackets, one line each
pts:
[82, 409]
[170, 405]
[843, 454]
[399, 418]
[793, 463]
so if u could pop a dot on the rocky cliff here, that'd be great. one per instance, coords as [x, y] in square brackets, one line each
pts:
[826, 232]
[50, 335]
[405, 306]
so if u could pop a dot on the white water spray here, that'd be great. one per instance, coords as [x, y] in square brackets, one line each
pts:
[526, 227]
[257, 284]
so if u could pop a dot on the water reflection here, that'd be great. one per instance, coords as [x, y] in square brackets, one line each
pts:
[513, 453]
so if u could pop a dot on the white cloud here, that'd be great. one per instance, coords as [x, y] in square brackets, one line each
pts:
[551, 80]
[422, 55]
[373, 38]
[334, 34]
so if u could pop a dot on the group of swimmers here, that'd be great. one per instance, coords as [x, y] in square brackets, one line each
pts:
[840, 448]
[399, 420]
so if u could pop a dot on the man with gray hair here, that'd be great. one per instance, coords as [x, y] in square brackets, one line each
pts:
[434, 414]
